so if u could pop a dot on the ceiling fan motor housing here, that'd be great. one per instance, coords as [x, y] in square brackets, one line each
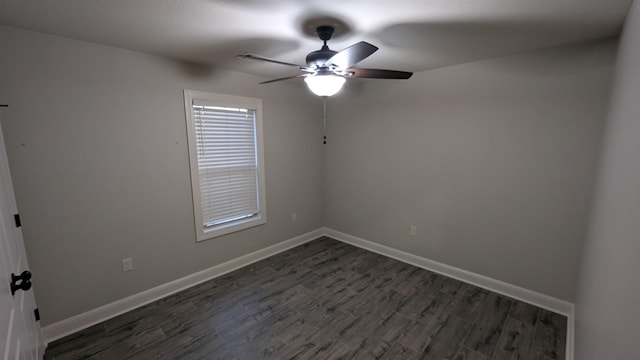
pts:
[318, 58]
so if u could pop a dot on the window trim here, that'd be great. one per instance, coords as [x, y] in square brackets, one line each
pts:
[232, 101]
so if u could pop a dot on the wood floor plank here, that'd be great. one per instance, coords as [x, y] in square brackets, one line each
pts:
[419, 299]
[410, 279]
[525, 313]
[383, 303]
[398, 351]
[325, 300]
[78, 343]
[438, 308]
[365, 347]
[487, 329]
[515, 342]
[420, 335]
[390, 330]
[321, 325]
[133, 345]
[427, 325]
[329, 298]
[467, 354]
[332, 349]
[291, 277]
[468, 302]
[548, 338]
[446, 342]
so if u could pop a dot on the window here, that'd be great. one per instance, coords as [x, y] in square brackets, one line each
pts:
[226, 159]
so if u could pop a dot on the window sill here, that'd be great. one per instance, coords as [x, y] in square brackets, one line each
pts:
[231, 228]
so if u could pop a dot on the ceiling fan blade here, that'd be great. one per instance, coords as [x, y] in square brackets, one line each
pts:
[352, 55]
[260, 58]
[377, 74]
[284, 78]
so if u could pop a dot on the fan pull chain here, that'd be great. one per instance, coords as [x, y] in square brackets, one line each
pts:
[324, 118]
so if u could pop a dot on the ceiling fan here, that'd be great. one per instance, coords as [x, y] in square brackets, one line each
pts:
[327, 70]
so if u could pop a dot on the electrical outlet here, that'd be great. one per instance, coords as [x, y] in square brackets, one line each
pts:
[127, 264]
[294, 217]
[412, 230]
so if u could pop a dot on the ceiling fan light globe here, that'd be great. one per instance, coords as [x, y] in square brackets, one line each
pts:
[324, 85]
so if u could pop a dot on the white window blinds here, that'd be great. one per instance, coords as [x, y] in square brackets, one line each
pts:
[227, 163]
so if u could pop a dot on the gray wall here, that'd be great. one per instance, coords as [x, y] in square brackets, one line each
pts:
[96, 138]
[609, 293]
[492, 161]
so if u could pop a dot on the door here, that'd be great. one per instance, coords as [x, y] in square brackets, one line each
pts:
[20, 336]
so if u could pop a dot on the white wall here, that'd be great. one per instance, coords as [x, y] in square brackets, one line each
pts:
[609, 293]
[492, 161]
[96, 138]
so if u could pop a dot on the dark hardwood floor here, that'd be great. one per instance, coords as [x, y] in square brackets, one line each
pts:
[325, 300]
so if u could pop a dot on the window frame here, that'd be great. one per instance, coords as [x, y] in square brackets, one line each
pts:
[228, 101]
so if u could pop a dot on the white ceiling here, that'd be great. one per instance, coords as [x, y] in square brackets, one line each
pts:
[412, 35]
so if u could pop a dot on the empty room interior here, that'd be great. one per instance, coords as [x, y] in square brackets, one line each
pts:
[471, 191]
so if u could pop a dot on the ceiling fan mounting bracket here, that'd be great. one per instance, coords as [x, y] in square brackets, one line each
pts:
[325, 32]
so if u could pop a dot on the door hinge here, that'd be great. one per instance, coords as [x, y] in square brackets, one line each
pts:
[16, 218]
[36, 313]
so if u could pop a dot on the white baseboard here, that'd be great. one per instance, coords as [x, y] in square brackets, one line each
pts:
[500, 287]
[82, 321]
